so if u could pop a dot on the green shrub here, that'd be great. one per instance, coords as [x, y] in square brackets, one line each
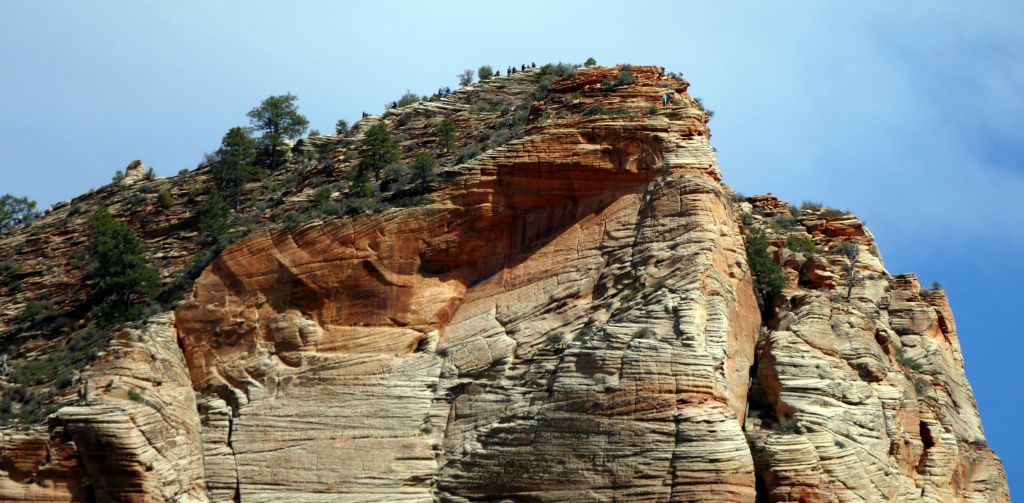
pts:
[404, 119]
[423, 169]
[810, 205]
[34, 371]
[783, 223]
[834, 213]
[408, 99]
[590, 62]
[558, 70]
[64, 379]
[707, 111]
[768, 276]
[849, 250]
[485, 72]
[625, 76]
[921, 385]
[555, 338]
[468, 153]
[599, 110]
[321, 196]
[903, 359]
[802, 244]
[644, 333]
[165, 199]
[341, 127]
[35, 311]
[134, 395]
[9, 267]
[466, 77]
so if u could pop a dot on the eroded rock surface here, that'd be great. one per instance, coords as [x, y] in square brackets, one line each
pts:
[569, 316]
[862, 397]
[572, 320]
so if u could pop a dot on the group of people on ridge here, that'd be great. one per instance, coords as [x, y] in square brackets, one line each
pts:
[512, 69]
[445, 91]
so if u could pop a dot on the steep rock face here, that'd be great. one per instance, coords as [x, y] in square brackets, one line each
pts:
[568, 317]
[860, 393]
[133, 435]
[572, 320]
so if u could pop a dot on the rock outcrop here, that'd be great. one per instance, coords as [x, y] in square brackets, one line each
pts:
[569, 316]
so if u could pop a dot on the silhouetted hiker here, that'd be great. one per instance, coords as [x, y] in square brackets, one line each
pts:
[513, 69]
[522, 67]
[664, 99]
[365, 115]
[533, 65]
[497, 73]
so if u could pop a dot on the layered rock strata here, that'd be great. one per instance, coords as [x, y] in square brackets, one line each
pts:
[571, 320]
[568, 317]
[859, 392]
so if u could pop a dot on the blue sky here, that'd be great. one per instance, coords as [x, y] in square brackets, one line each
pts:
[908, 113]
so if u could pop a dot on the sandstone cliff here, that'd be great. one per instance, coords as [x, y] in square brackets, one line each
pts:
[569, 316]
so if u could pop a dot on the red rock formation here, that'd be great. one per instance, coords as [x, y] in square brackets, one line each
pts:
[568, 317]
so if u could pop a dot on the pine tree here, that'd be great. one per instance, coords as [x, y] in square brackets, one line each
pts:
[117, 264]
[15, 212]
[278, 118]
[381, 150]
[234, 164]
[446, 135]
[214, 218]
